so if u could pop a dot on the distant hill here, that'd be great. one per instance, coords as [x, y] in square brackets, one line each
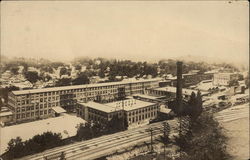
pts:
[212, 60]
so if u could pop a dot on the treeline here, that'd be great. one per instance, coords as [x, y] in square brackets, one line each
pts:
[110, 67]
[191, 108]
[18, 148]
[92, 130]
[104, 68]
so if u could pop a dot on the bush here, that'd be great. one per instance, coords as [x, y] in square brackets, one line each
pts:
[206, 140]
[18, 148]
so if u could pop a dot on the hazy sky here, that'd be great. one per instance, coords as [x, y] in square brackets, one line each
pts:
[141, 30]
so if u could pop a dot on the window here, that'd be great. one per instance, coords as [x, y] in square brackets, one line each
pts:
[18, 116]
[45, 112]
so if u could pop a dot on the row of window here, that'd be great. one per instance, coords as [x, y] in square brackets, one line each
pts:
[141, 117]
[138, 111]
[32, 114]
[79, 90]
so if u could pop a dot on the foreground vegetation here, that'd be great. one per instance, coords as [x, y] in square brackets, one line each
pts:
[92, 130]
[200, 136]
[204, 140]
[18, 148]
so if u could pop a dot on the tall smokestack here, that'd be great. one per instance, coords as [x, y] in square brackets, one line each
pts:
[179, 84]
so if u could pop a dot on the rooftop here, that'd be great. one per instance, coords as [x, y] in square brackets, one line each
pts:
[30, 91]
[3, 114]
[100, 107]
[58, 109]
[130, 104]
[127, 105]
[146, 96]
[184, 91]
[66, 125]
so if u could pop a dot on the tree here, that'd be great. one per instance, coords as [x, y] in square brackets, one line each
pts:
[81, 79]
[63, 82]
[199, 103]
[78, 67]
[84, 132]
[46, 69]
[63, 71]
[195, 105]
[247, 81]
[117, 124]
[17, 148]
[14, 70]
[32, 76]
[207, 140]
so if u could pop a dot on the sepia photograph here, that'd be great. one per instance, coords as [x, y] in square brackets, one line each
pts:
[124, 80]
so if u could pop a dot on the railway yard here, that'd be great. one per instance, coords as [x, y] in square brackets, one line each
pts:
[103, 145]
[110, 144]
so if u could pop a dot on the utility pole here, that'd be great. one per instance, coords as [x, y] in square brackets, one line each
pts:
[123, 115]
[151, 133]
[164, 123]
[165, 137]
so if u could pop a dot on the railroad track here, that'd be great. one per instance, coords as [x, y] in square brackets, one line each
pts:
[79, 147]
[103, 150]
[233, 113]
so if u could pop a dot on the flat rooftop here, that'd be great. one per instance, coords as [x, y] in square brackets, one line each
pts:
[147, 96]
[184, 90]
[8, 113]
[127, 105]
[65, 124]
[100, 107]
[30, 91]
[130, 104]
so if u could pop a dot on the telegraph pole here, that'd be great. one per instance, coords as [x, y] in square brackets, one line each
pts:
[151, 133]
[164, 123]
[165, 137]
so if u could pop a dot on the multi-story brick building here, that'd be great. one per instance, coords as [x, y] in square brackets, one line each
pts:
[169, 92]
[135, 111]
[190, 79]
[224, 79]
[194, 78]
[38, 103]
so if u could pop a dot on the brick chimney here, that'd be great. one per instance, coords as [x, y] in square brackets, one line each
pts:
[179, 84]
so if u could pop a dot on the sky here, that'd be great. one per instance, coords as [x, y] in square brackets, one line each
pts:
[136, 30]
